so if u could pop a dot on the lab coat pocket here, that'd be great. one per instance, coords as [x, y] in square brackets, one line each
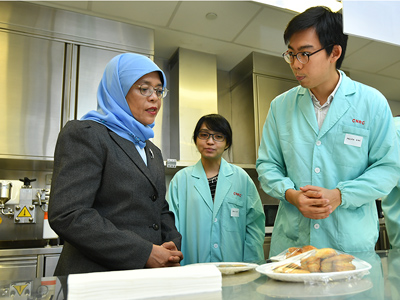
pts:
[351, 147]
[358, 228]
[288, 219]
[233, 214]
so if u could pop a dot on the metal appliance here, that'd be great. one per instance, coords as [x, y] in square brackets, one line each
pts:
[22, 219]
[45, 288]
[5, 194]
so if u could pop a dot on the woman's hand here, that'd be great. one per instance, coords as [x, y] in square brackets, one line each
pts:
[166, 255]
[171, 246]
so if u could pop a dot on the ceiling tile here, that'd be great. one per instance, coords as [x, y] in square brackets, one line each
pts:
[354, 44]
[392, 71]
[373, 58]
[155, 13]
[266, 30]
[167, 42]
[389, 87]
[232, 16]
[81, 5]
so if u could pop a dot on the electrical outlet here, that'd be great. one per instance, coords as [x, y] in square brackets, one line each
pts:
[48, 178]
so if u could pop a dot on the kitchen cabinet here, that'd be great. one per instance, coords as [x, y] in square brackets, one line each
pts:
[255, 82]
[266, 89]
[52, 62]
[91, 64]
[31, 84]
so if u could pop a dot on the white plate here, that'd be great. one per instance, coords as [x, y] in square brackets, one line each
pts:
[229, 268]
[362, 268]
[297, 290]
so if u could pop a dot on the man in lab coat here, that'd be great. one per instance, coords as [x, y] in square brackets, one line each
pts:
[328, 147]
[391, 205]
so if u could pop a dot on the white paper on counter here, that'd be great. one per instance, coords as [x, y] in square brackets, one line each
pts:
[145, 283]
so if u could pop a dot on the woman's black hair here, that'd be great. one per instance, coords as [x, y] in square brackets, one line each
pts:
[216, 123]
[327, 24]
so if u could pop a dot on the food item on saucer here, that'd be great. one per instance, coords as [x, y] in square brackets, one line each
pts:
[312, 264]
[338, 263]
[321, 260]
[328, 260]
[291, 269]
[307, 248]
[293, 251]
[325, 253]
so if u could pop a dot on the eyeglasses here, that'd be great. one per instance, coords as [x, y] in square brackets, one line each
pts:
[148, 90]
[218, 137]
[302, 57]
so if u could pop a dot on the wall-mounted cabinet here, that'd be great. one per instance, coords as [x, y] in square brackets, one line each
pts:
[91, 63]
[51, 64]
[255, 82]
[31, 85]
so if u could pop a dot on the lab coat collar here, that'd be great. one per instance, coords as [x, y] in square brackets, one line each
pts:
[306, 107]
[340, 104]
[201, 184]
[336, 110]
[223, 185]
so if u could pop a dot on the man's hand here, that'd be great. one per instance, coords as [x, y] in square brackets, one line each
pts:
[334, 196]
[310, 203]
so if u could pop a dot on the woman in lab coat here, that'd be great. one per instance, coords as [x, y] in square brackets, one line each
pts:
[217, 207]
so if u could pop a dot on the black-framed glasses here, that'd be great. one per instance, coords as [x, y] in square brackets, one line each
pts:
[148, 90]
[302, 57]
[204, 135]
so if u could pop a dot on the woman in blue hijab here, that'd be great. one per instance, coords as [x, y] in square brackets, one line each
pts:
[108, 188]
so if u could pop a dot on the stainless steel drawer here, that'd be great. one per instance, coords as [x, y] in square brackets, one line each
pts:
[20, 268]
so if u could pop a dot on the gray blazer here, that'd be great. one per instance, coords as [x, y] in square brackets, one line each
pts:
[105, 203]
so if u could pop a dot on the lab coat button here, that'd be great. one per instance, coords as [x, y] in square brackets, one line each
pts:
[155, 227]
[215, 220]
[318, 143]
[316, 226]
[317, 170]
[215, 246]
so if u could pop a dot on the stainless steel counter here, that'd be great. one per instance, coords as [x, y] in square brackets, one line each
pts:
[30, 251]
[382, 283]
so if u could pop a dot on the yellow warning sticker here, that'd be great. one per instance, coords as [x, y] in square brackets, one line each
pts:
[20, 288]
[24, 213]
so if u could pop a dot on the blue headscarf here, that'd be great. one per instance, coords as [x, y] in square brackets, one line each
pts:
[112, 108]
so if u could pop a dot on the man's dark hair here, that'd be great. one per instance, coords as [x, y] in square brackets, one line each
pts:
[328, 26]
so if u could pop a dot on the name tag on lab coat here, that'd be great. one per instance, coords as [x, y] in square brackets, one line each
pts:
[235, 212]
[353, 140]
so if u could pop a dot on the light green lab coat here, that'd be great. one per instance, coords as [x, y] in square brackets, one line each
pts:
[230, 229]
[391, 206]
[294, 152]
